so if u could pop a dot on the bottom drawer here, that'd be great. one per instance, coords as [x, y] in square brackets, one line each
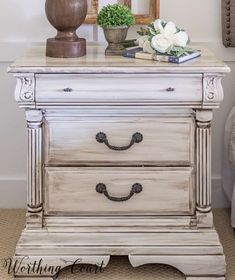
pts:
[119, 191]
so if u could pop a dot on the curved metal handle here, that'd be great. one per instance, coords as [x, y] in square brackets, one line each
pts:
[136, 188]
[101, 137]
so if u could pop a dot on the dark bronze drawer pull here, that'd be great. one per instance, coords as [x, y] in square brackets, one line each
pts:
[136, 188]
[68, 90]
[170, 89]
[101, 137]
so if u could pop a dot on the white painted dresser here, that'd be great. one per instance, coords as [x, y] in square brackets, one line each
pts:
[119, 161]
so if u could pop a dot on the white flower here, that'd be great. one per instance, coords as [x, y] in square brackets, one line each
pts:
[147, 47]
[158, 25]
[161, 43]
[144, 43]
[180, 39]
[141, 40]
[165, 40]
[167, 37]
[169, 30]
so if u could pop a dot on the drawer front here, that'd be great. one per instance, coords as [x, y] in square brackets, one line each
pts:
[100, 88]
[98, 191]
[114, 141]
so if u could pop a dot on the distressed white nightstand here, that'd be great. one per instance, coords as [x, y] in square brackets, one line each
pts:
[119, 161]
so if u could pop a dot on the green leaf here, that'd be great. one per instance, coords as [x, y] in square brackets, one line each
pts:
[115, 15]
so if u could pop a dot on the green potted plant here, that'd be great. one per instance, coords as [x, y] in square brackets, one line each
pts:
[115, 21]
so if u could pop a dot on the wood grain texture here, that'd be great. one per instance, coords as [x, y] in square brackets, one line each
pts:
[119, 89]
[96, 62]
[154, 12]
[119, 250]
[195, 249]
[72, 190]
[43, 238]
[91, 17]
[168, 141]
[34, 188]
[203, 147]
[190, 266]
[117, 223]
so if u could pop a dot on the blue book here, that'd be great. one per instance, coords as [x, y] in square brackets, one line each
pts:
[137, 52]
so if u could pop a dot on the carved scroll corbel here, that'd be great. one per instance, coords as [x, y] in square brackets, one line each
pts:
[25, 90]
[212, 90]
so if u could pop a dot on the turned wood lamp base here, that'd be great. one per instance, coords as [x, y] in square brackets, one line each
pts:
[66, 49]
[66, 16]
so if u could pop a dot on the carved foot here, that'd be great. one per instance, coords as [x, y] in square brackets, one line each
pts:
[194, 267]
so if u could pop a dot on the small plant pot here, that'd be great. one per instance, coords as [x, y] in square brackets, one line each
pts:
[115, 36]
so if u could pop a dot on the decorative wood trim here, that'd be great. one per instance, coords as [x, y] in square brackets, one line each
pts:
[212, 89]
[119, 224]
[195, 266]
[34, 193]
[204, 220]
[203, 148]
[154, 10]
[95, 62]
[25, 90]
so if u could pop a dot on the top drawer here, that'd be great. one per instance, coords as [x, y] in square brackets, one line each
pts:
[118, 88]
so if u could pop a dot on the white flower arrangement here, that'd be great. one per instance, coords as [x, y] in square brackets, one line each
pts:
[164, 38]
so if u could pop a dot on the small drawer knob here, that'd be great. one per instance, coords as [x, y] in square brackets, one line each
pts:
[170, 89]
[68, 90]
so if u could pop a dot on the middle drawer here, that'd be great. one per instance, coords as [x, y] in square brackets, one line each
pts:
[119, 141]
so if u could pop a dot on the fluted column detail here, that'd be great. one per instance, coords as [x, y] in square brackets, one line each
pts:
[203, 148]
[34, 188]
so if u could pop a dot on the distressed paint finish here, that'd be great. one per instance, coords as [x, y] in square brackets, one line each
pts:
[203, 148]
[68, 190]
[25, 91]
[108, 89]
[166, 141]
[34, 190]
[67, 103]
[96, 62]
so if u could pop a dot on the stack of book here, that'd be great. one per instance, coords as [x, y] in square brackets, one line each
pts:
[137, 52]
